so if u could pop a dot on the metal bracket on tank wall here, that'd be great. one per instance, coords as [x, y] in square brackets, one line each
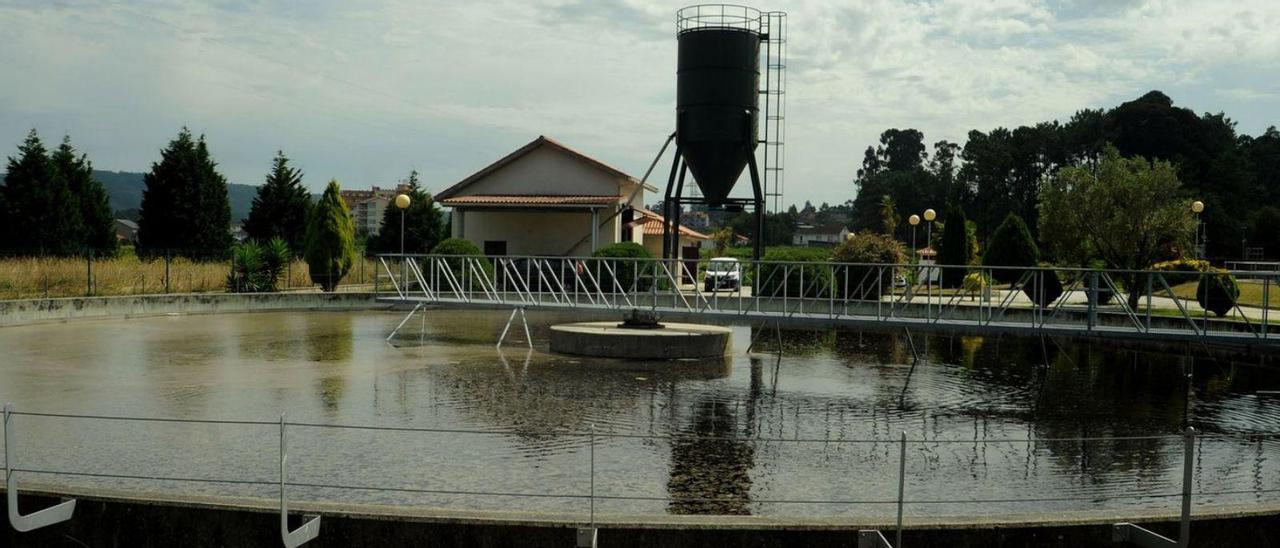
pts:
[30, 522]
[1135, 534]
[311, 528]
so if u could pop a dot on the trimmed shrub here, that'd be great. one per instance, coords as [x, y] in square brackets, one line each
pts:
[625, 271]
[1217, 291]
[330, 247]
[817, 278]
[455, 250]
[956, 248]
[1179, 272]
[1043, 296]
[1011, 245]
[975, 282]
[865, 282]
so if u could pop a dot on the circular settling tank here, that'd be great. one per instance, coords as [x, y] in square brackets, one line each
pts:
[670, 341]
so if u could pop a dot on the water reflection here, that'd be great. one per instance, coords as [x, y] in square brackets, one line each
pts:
[957, 392]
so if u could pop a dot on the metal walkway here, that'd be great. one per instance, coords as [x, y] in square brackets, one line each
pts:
[1072, 302]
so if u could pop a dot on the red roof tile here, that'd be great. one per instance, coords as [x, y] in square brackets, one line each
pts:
[651, 224]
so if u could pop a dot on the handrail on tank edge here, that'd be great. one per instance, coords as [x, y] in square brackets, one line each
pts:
[724, 20]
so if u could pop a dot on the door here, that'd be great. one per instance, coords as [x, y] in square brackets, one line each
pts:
[690, 255]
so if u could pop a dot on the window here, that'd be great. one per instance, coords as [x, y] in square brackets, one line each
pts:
[495, 248]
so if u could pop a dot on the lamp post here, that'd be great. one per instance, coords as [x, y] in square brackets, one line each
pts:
[402, 202]
[1197, 207]
[929, 216]
[913, 221]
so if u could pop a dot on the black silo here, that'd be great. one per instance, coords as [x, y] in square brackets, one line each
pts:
[717, 105]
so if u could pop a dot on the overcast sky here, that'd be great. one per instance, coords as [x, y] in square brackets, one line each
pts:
[365, 91]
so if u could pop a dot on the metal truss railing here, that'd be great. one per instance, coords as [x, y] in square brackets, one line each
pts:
[1104, 302]
[311, 529]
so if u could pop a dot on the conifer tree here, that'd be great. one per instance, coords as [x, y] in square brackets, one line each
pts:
[957, 249]
[330, 247]
[423, 222]
[1011, 245]
[185, 210]
[97, 224]
[44, 216]
[281, 206]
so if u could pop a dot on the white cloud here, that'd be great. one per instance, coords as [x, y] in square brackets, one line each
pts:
[364, 91]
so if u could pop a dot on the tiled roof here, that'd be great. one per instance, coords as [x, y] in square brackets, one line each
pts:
[650, 224]
[520, 199]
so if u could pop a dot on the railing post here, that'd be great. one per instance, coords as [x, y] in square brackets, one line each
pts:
[1093, 299]
[902, 484]
[586, 537]
[1188, 461]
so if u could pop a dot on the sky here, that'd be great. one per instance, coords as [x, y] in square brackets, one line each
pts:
[366, 91]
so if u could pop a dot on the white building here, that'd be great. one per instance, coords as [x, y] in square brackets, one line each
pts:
[548, 199]
[820, 236]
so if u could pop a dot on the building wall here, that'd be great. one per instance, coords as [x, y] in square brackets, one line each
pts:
[535, 232]
[546, 170]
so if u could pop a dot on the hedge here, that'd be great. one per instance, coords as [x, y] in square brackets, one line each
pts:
[817, 278]
[866, 282]
[626, 271]
[456, 249]
[1043, 297]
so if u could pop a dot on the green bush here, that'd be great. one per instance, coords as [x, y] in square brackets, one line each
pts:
[817, 278]
[1179, 272]
[455, 249]
[1011, 245]
[330, 243]
[957, 249]
[626, 271]
[257, 268]
[1217, 291]
[1043, 297]
[865, 282]
[975, 282]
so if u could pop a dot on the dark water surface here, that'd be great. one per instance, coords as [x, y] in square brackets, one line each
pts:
[820, 424]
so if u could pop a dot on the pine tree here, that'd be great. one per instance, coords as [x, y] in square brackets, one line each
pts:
[1011, 245]
[423, 222]
[281, 206]
[956, 248]
[97, 225]
[44, 215]
[330, 247]
[185, 210]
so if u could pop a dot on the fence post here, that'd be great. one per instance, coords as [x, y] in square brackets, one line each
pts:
[168, 259]
[88, 274]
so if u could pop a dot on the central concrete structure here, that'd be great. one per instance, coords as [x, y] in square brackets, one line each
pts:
[672, 341]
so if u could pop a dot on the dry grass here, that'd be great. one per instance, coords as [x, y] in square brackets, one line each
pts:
[37, 277]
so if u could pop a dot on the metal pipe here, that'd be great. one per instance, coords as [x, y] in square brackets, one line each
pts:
[902, 484]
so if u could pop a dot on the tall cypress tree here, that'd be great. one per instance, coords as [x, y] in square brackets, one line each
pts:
[330, 247]
[957, 249]
[281, 206]
[423, 222]
[97, 225]
[44, 215]
[185, 209]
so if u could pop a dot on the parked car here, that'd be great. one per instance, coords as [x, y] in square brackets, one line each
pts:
[723, 273]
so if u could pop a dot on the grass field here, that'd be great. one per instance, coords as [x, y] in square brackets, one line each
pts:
[37, 277]
[1250, 293]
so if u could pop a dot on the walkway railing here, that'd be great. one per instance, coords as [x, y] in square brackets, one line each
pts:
[590, 467]
[1224, 307]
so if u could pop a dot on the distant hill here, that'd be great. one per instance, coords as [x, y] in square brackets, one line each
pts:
[125, 192]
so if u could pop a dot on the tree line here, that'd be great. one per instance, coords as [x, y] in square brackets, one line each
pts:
[51, 204]
[1004, 170]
